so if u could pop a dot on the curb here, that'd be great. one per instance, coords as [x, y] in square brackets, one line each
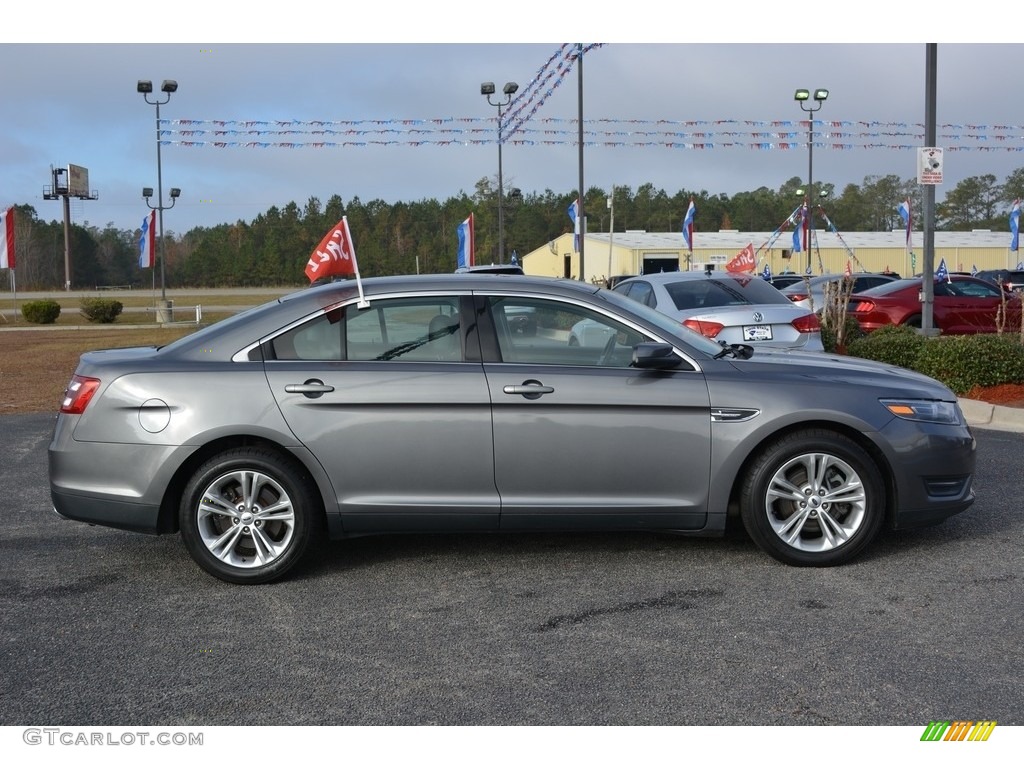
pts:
[988, 416]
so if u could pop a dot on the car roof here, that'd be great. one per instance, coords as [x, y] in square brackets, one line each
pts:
[674, 277]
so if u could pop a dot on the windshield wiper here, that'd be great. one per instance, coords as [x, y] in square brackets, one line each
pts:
[740, 351]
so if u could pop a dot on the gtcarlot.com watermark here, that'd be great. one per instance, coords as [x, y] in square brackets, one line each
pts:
[72, 738]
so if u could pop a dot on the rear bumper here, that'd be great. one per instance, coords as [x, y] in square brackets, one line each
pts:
[128, 516]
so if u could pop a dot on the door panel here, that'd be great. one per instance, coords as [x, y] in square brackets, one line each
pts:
[592, 442]
[404, 432]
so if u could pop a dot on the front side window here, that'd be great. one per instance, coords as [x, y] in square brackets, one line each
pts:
[560, 334]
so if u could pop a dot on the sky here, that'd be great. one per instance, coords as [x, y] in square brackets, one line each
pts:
[69, 95]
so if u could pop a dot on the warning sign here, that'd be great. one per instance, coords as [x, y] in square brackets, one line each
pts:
[929, 165]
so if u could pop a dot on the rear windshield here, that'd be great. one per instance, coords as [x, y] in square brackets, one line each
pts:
[724, 292]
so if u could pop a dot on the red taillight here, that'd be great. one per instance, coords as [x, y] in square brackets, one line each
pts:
[78, 394]
[864, 306]
[807, 323]
[798, 296]
[704, 327]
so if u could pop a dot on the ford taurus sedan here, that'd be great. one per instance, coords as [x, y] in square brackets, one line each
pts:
[419, 409]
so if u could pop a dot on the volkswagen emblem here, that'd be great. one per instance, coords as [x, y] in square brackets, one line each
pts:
[758, 317]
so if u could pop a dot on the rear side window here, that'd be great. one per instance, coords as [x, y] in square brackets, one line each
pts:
[420, 329]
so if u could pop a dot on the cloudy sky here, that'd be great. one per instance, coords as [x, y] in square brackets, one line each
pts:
[680, 102]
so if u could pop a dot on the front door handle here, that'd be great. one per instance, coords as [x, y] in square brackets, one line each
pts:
[529, 389]
[312, 388]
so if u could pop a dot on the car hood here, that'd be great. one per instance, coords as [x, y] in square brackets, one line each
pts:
[826, 368]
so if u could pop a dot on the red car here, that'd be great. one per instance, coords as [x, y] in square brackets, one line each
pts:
[963, 305]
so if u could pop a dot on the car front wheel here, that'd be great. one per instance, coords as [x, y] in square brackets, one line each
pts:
[813, 498]
[247, 515]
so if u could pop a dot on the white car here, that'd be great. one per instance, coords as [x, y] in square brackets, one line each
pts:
[729, 308]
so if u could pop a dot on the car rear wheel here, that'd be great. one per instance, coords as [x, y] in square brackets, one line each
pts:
[247, 515]
[914, 321]
[813, 498]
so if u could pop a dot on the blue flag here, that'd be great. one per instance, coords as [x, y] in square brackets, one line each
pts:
[1015, 225]
[942, 273]
[908, 220]
[767, 272]
[466, 256]
[574, 214]
[688, 225]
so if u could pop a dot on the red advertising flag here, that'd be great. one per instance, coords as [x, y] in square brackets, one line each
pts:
[7, 239]
[336, 255]
[744, 261]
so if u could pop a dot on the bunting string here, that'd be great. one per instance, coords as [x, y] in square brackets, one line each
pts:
[604, 132]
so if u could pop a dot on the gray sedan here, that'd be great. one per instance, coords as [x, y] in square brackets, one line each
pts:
[421, 410]
[727, 307]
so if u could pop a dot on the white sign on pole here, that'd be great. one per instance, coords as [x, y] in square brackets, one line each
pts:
[929, 165]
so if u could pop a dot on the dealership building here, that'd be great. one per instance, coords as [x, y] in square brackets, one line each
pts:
[639, 252]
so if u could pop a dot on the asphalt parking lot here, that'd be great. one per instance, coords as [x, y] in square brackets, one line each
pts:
[103, 627]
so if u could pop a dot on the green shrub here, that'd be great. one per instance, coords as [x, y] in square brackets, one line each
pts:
[43, 311]
[963, 362]
[892, 344]
[101, 310]
[851, 333]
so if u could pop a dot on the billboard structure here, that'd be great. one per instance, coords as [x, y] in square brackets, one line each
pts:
[69, 182]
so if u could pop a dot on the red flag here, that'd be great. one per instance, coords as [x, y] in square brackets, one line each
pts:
[336, 255]
[7, 239]
[744, 261]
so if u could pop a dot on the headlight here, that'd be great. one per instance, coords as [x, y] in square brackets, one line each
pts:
[934, 411]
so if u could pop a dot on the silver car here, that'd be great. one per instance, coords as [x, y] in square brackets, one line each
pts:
[727, 307]
[421, 410]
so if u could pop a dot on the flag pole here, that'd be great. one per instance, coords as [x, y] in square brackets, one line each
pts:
[363, 303]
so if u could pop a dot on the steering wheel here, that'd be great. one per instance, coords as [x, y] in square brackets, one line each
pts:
[608, 352]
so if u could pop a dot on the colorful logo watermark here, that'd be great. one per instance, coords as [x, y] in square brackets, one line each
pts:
[958, 730]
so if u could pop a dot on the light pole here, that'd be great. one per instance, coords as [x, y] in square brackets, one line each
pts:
[801, 96]
[145, 87]
[487, 89]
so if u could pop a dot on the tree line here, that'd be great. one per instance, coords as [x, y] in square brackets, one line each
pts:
[421, 236]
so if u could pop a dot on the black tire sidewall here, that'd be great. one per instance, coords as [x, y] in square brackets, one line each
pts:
[285, 471]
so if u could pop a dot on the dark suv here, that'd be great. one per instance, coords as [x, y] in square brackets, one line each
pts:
[1010, 279]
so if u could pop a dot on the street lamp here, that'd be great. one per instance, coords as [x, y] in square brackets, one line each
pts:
[801, 96]
[145, 87]
[487, 89]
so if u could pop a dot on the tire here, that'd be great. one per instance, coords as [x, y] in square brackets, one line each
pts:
[248, 540]
[914, 321]
[800, 524]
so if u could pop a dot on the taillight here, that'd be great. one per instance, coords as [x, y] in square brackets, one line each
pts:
[704, 327]
[798, 296]
[807, 323]
[864, 306]
[79, 393]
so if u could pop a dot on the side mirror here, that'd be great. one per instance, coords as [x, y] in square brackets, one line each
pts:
[653, 356]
